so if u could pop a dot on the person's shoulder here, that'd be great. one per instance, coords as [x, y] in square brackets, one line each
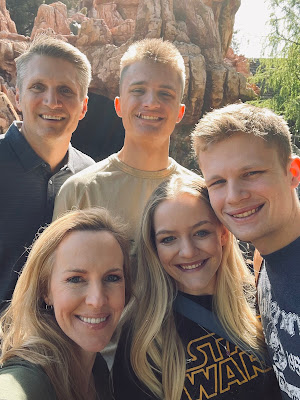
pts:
[22, 380]
[92, 173]
[81, 160]
[12, 131]
[179, 169]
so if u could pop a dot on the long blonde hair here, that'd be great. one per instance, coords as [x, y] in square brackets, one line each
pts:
[27, 329]
[157, 353]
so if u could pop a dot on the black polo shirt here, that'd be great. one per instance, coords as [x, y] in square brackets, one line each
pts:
[27, 192]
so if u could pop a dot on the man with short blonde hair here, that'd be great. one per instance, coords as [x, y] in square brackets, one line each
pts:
[151, 87]
[36, 154]
[246, 158]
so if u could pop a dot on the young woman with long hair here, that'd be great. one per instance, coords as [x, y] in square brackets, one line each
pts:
[65, 308]
[193, 332]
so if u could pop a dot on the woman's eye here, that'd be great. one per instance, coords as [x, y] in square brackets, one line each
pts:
[75, 279]
[113, 278]
[202, 233]
[168, 240]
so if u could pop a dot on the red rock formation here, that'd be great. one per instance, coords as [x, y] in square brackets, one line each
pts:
[53, 16]
[121, 30]
[201, 30]
[93, 32]
[239, 62]
[6, 23]
[8, 113]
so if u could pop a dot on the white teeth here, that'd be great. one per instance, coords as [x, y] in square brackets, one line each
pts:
[147, 117]
[56, 118]
[92, 320]
[192, 266]
[246, 214]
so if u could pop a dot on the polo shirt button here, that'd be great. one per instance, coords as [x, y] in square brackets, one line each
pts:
[50, 182]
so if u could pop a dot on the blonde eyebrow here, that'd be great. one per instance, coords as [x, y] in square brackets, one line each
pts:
[145, 82]
[84, 271]
[168, 232]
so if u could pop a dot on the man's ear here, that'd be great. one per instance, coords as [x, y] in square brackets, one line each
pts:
[84, 108]
[18, 99]
[117, 104]
[295, 170]
[180, 113]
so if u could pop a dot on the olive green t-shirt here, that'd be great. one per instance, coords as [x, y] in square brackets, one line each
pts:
[21, 380]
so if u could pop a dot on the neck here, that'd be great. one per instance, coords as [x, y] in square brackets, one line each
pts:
[87, 362]
[283, 236]
[145, 158]
[51, 150]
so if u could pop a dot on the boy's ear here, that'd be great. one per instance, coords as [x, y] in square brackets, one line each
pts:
[180, 113]
[118, 106]
[295, 170]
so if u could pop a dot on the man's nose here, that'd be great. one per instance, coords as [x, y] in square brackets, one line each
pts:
[151, 100]
[51, 98]
[236, 192]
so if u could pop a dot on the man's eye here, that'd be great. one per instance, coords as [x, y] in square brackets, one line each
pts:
[251, 173]
[218, 182]
[113, 278]
[138, 91]
[37, 87]
[168, 239]
[75, 279]
[66, 90]
[166, 94]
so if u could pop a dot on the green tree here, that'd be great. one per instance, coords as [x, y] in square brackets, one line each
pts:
[23, 12]
[279, 74]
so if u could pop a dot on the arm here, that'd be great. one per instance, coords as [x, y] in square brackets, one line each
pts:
[25, 382]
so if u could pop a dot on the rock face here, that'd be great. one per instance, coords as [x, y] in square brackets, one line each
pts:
[7, 113]
[201, 30]
[53, 16]
[6, 23]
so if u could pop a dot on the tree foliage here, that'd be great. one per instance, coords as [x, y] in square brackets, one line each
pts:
[280, 73]
[23, 12]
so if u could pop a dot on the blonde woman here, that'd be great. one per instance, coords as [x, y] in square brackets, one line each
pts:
[193, 333]
[65, 308]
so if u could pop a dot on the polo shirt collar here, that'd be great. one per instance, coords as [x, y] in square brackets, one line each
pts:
[70, 159]
[27, 156]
